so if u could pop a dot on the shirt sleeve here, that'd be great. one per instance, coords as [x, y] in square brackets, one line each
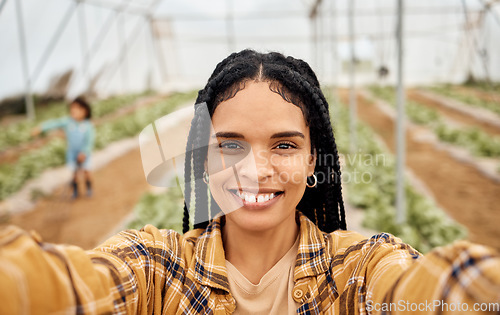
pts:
[462, 278]
[389, 277]
[125, 275]
[54, 124]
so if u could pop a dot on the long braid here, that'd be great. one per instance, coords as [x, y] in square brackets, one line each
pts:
[333, 196]
[194, 160]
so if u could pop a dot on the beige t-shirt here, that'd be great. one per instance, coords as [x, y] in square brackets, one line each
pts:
[273, 294]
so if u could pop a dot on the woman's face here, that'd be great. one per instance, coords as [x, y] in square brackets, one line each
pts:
[266, 151]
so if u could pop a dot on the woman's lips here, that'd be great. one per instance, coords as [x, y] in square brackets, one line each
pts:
[256, 201]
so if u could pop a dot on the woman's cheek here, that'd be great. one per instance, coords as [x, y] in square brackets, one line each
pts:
[218, 183]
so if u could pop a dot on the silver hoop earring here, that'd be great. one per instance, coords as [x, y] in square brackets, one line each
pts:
[205, 178]
[315, 181]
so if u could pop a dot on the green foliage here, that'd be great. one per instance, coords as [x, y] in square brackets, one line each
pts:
[18, 133]
[30, 165]
[476, 141]
[469, 99]
[164, 211]
[374, 190]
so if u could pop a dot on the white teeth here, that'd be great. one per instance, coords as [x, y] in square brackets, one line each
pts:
[255, 198]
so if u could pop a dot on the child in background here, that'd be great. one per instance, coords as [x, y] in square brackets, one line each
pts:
[79, 132]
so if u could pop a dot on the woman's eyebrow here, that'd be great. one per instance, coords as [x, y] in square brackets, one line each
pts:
[228, 134]
[284, 134]
[288, 134]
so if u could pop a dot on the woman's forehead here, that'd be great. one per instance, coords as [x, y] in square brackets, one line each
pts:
[257, 107]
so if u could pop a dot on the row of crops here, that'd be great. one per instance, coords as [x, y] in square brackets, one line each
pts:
[18, 133]
[489, 101]
[371, 186]
[374, 191]
[475, 140]
[30, 165]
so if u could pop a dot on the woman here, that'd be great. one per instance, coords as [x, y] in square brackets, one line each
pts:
[279, 245]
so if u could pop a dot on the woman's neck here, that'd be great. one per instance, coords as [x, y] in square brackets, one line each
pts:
[254, 253]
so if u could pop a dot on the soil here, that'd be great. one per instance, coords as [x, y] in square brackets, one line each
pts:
[463, 192]
[86, 221]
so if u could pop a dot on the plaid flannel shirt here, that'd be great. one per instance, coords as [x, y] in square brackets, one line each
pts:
[160, 271]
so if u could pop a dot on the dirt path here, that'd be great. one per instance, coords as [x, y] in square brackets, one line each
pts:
[453, 114]
[464, 193]
[85, 221]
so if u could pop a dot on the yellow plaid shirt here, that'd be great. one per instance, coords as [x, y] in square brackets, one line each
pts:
[160, 271]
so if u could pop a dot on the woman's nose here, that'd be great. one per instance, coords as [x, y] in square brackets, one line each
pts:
[256, 166]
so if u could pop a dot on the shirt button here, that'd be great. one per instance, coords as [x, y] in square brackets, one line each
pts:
[298, 294]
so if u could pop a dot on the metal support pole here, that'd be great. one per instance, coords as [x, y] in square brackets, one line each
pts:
[352, 82]
[230, 27]
[123, 50]
[2, 4]
[133, 36]
[158, 52]
[314, 42]
[99, 39]
[320, 42]
[335, 58]
[82, 25]
[53, 41]
[30, 106]
[400, 124]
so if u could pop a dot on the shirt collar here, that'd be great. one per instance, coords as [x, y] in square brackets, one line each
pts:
[210, 265]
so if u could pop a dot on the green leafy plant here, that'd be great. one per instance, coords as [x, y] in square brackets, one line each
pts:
[164, 211]
[18, 133]
[467, 98]
[30, 165]
[476, 141]
[374, 189]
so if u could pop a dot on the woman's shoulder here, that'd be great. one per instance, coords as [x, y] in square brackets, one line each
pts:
[150, 240]
[351, 243]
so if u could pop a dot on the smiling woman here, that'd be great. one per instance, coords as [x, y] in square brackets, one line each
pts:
[269, 234]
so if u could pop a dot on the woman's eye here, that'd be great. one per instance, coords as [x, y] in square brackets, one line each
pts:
[285, 146]
[230, 145]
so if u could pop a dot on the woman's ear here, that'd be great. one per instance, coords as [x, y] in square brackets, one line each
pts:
[312, 161]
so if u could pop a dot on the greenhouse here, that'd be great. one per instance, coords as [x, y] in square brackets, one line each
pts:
[412, 90]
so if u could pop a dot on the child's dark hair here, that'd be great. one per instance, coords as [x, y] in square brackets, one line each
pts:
[295, 81]
[80, 100]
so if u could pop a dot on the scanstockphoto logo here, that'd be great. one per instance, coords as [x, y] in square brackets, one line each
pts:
[430, 306]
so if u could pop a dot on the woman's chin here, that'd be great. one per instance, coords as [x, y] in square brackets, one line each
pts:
[254, 221]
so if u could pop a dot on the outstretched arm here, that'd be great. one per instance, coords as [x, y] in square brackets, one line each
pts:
[121, 276]
[49, 125]
[382, 275]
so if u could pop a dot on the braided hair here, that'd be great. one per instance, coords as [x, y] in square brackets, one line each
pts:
[296, 82]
